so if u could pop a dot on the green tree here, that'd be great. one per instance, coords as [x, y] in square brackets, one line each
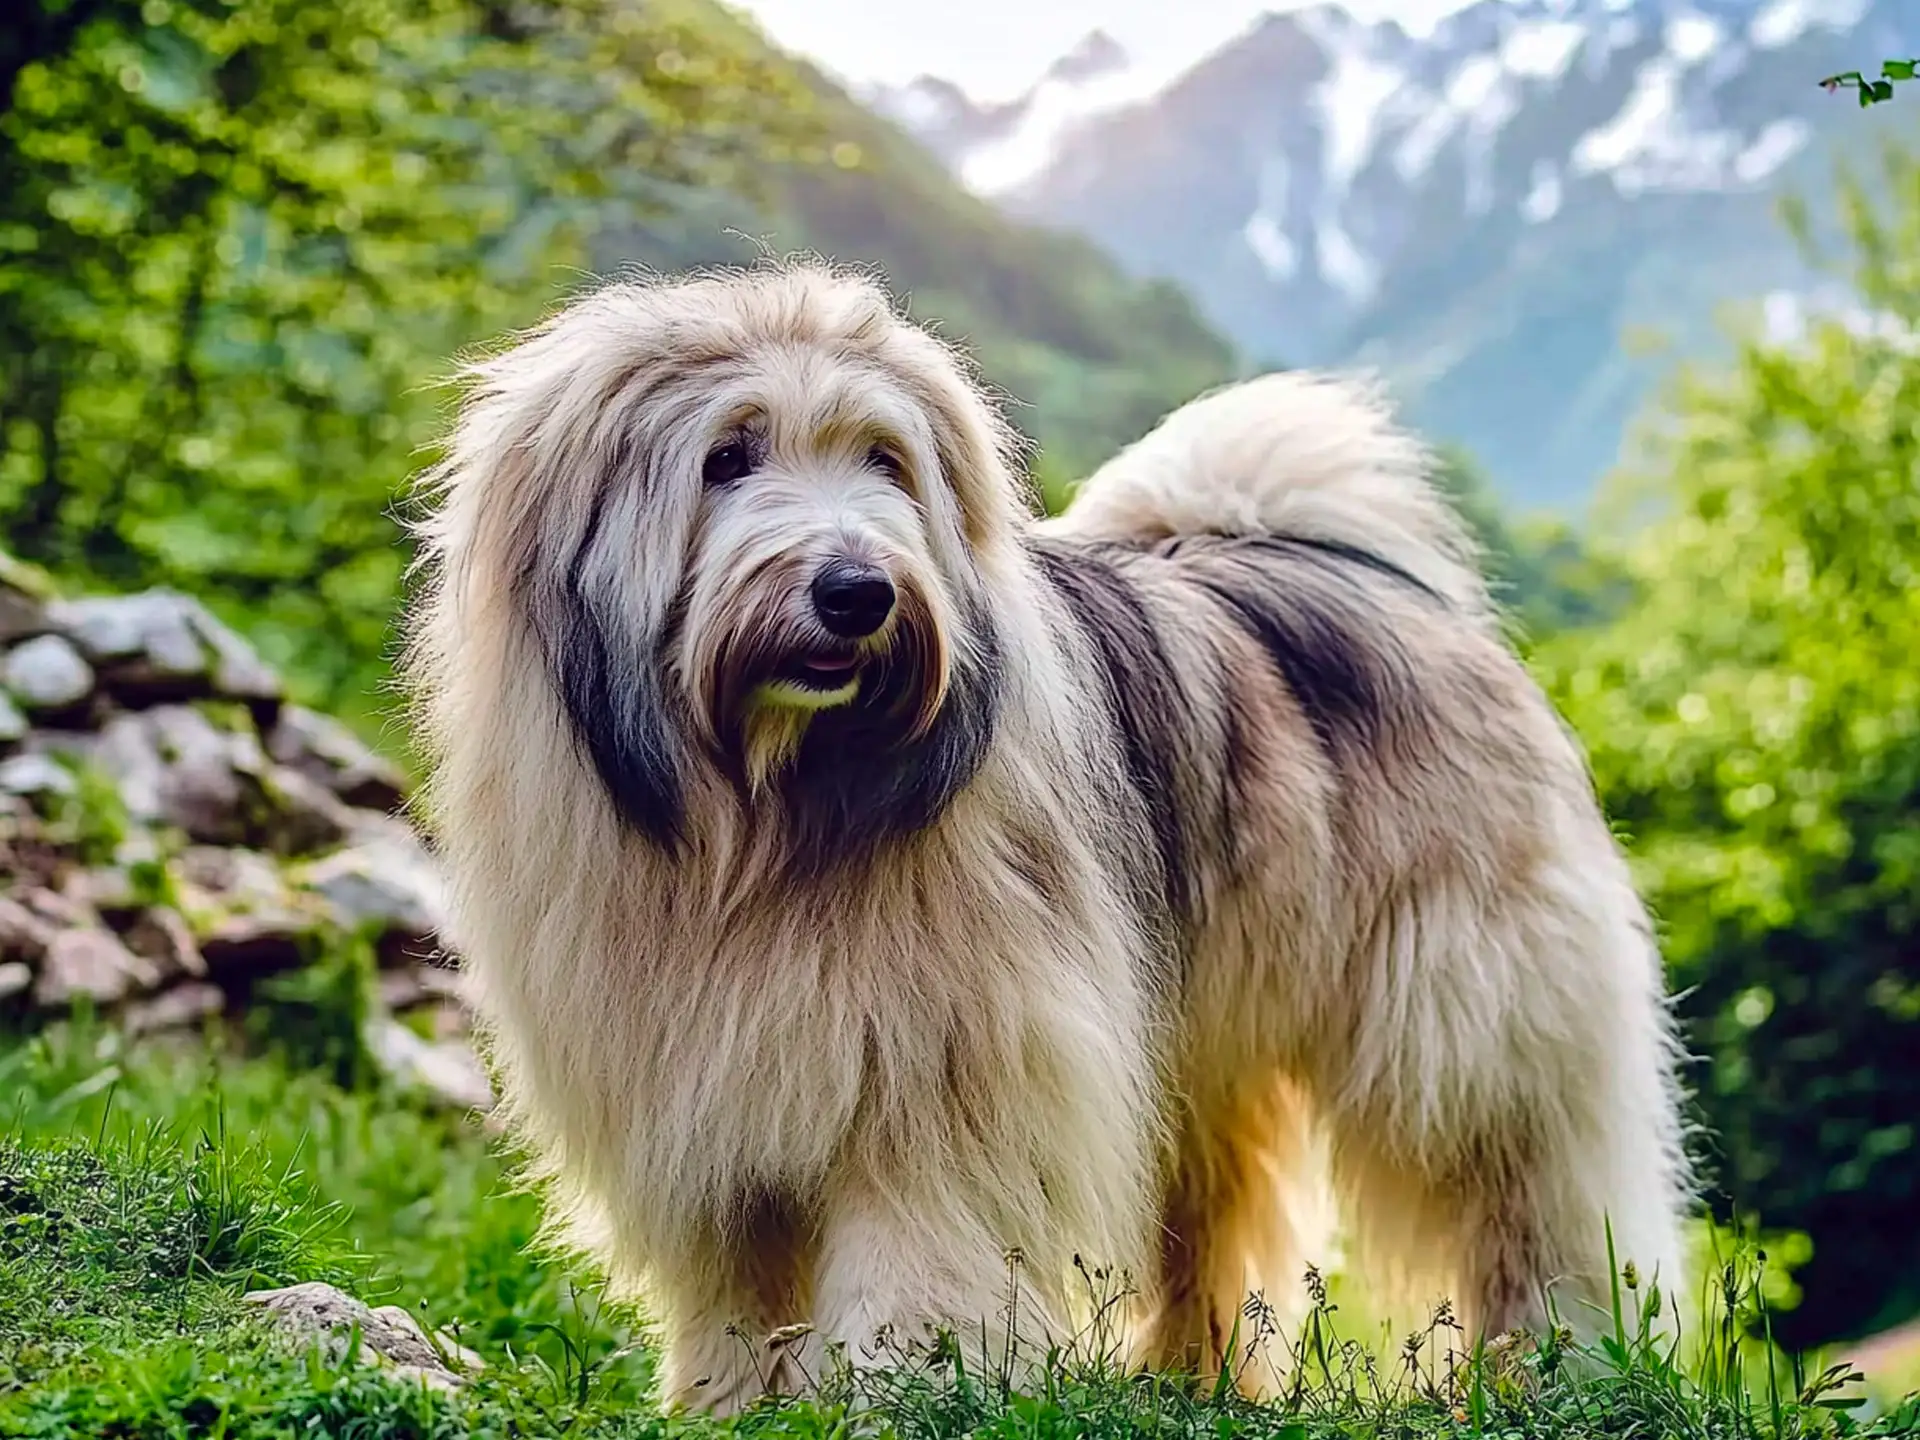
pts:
[1754, 723]
[236, 237]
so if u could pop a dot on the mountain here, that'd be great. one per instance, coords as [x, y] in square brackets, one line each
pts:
[1088, 354]
[1484, 213]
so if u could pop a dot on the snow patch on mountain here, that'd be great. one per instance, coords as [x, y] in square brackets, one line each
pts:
[1691, 38]
[1067, 97]
[1781, 22]
[1542, 49]
[1544, 195]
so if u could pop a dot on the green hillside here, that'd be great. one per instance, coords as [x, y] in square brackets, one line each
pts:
[241, 241]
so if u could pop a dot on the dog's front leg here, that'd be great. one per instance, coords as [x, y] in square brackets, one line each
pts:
[904, 1261]
[722, 1298]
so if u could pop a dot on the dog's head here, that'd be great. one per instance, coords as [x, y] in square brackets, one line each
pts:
[751, 521]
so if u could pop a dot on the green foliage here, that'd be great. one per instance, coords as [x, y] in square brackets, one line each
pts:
[237, 239]
[1754, 723]
[316, 1016]
[1872, 92]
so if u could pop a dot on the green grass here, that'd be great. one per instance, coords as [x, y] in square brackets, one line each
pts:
[141, 1194]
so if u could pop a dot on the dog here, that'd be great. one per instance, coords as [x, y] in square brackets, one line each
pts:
[862, 882]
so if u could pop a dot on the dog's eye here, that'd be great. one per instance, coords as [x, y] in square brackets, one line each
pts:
[727, 463]
[886, 462]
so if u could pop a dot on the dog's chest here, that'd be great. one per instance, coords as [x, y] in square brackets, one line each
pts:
[770, 1043]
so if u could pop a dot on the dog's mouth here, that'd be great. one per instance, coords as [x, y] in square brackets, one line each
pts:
[820, 670]
[818, 679]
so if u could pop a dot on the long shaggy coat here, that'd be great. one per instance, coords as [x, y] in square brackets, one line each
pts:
[1156, 864]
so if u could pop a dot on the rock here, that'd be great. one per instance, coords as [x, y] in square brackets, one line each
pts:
[93, 963]
[39, 777]
[305, 816]
[47, 675]
[161, 934]
[16, 978]
[326, 751]
[246, 919]
[385, 885]
[445, 1069]
[211, 786]
[24, 936]
[177, 765]
[107, 890]
[57, 908]
[320, 1312]
[127, 752]
[177, 1009]
[13, 724]
[161, 646]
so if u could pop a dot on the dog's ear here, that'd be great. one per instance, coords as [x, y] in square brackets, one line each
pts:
[608, 679]
[982, 457]
[552, 475]
[601, 638]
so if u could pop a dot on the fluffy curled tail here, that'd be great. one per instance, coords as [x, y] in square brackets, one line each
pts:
[1316, 457]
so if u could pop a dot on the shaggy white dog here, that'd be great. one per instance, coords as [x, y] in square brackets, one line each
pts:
[861, 881]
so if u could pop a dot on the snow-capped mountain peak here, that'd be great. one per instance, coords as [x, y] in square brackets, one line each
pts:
[1325, 187]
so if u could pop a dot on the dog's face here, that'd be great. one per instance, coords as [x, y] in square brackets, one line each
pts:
[746, 519]
[823, 563]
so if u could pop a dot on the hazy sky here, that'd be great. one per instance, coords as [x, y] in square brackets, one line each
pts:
[995, 48]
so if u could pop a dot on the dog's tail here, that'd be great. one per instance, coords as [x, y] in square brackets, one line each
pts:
[1315, 457]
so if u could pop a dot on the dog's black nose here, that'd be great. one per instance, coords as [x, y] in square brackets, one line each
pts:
[852, 600]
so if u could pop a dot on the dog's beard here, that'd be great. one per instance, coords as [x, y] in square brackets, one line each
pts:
[777, 678]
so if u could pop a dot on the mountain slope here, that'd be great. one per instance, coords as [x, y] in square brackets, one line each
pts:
[1090, 355]
[1482, 212]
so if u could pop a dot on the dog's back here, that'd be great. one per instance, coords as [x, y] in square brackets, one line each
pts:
[1408, 919]
[1290, 453]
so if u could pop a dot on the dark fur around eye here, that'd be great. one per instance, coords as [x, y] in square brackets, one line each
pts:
[727, 462]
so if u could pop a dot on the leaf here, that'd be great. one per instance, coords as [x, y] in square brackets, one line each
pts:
[1898, 69]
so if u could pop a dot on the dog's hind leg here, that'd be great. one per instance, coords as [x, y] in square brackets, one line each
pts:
[721, 1302]
[1238, 1224]
[1511, 1227]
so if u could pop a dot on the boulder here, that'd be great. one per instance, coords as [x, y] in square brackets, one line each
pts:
[37, 777]
[93, 963]
[245, 918]
[387, 886]
[161, 934]
[13, 724]
[316, 1312]
[448, 1070]
[160, 646]
[329, 753]
[302, 817]
[24, 936]
[179, 1008]
[47, 676]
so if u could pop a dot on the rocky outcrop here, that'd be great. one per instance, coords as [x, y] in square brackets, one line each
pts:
[388, 1335]
[173, 830]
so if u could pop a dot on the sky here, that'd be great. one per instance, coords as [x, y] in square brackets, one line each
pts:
[995, 49]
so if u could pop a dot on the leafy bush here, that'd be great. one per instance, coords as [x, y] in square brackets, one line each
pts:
[1754, 722]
